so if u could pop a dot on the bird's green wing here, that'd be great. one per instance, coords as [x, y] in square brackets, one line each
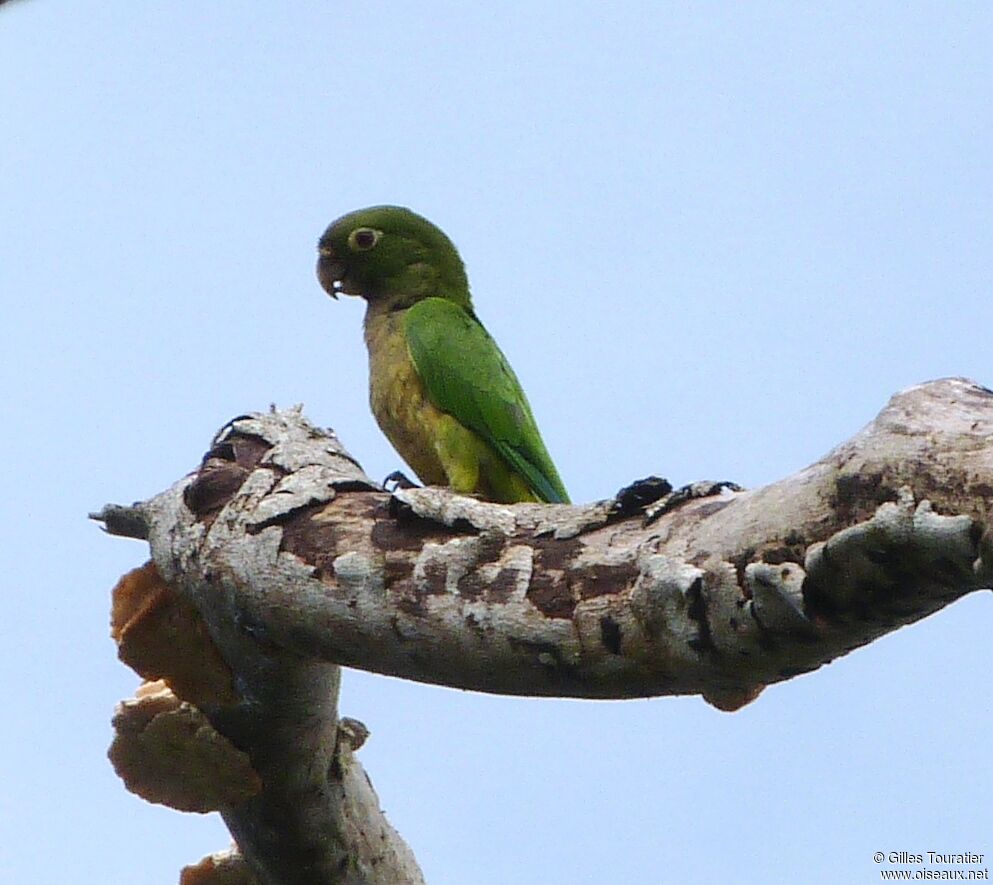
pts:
[466, 375]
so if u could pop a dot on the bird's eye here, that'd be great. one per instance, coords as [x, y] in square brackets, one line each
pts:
[362, 239]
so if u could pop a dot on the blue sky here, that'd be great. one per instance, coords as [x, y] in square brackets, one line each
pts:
[712, 239]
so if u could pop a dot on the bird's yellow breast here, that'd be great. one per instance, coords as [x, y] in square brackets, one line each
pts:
[440, 449]
[398, 398]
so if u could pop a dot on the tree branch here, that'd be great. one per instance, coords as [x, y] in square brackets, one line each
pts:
[720, 594]
[297, 562]
[262, 744]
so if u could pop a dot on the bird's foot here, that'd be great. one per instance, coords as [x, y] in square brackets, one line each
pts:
[703, 489]
[399, 480]
[639, 495]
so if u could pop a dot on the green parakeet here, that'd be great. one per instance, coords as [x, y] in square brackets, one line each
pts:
[439, 386]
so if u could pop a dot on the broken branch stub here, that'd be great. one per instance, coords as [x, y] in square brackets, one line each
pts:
[280, 540]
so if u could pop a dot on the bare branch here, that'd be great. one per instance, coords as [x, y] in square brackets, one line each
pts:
[123, 521]
[718, 595]
[297, 562]
[262, 744]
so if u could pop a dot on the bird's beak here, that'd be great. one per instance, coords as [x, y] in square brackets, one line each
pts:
[330, 271]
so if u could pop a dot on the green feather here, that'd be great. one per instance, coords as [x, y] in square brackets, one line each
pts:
[412, 277]
[466, 375]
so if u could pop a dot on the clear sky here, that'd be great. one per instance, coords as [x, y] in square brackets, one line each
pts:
[712, 239]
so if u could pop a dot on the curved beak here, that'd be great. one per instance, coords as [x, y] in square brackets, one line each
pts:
[330, 271]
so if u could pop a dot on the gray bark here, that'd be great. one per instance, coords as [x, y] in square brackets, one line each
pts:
[298, 563]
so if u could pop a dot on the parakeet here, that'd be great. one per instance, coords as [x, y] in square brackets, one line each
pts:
[439, 386]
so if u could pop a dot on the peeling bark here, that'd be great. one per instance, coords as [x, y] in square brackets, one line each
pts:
[262, 744]
[297, 562]
[724, 591]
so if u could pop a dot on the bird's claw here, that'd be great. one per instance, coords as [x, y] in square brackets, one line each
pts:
[639, 495]
[399, 480]
[678, 497]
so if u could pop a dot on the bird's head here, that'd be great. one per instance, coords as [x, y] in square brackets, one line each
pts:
[390, 256]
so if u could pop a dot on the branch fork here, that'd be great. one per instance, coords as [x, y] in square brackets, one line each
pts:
[294, 563]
